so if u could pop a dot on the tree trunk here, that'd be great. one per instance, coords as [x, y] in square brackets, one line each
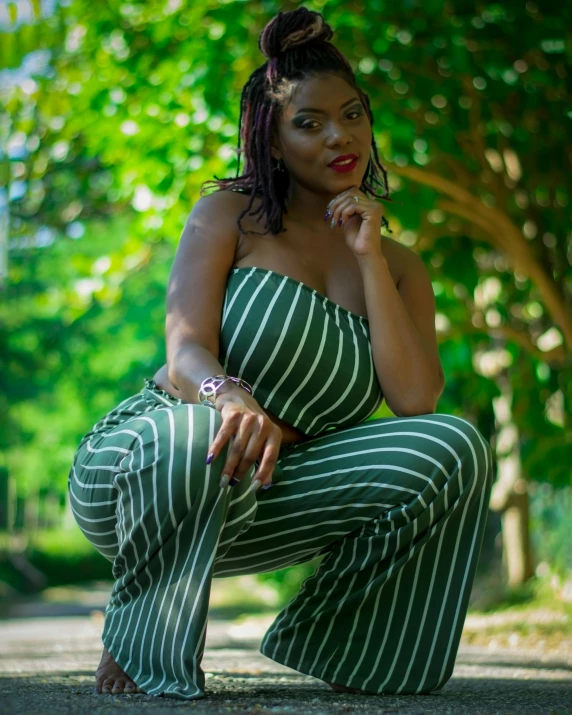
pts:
[516, 542]
[510, 494]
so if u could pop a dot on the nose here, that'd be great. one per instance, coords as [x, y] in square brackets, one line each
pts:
[338, 135]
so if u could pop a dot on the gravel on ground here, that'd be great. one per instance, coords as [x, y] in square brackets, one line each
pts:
[49, 652]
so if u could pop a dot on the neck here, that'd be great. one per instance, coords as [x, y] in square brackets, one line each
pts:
[307, 207]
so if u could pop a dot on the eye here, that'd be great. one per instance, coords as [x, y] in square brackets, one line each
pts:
[358, 113]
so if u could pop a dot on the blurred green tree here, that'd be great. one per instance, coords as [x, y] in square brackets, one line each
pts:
[116, 112]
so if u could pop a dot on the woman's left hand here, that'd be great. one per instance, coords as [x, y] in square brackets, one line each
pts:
[360, 221]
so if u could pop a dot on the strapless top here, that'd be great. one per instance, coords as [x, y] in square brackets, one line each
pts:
[309, 360]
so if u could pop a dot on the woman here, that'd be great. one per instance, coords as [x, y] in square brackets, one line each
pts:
[285, 331]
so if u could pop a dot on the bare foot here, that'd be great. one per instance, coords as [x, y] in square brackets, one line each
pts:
[110, 678]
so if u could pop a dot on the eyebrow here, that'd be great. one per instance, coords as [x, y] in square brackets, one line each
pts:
[321, 111]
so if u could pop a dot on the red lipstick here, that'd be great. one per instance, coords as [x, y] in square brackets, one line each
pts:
[344, 168]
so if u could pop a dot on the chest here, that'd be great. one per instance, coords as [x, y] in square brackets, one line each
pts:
[321, 261]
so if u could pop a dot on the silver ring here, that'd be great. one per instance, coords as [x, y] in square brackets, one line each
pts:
[356, 199]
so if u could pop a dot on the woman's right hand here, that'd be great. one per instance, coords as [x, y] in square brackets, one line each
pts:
[255, 438]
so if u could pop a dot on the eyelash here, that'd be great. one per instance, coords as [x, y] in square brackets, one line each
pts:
[305, 126]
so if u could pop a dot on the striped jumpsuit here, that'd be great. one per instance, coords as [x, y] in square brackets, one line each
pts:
[396, 506]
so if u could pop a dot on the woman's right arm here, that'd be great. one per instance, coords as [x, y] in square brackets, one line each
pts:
[195, 293]
[195, 296]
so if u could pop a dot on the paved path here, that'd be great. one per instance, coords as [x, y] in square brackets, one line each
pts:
[47, 662]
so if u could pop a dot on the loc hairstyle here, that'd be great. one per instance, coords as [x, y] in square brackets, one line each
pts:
[297, 47]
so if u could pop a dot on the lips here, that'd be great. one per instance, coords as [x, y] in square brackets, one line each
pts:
[343, 158]
[344, 168]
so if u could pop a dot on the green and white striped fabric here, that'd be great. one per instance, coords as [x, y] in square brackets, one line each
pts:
[308, 359]
[397, 507]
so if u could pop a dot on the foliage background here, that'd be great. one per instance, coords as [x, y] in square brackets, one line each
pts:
[116, 112]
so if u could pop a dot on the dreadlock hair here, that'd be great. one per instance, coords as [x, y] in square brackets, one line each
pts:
[297, 47]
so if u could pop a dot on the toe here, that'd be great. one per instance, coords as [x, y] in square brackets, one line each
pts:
[107, 685]
[118, 686]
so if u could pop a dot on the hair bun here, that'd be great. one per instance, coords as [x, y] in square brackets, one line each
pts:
[293, 29]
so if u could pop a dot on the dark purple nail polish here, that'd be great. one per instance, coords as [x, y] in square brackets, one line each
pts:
[210, 458]
[233, 482]
[340, 222]
[327, 216]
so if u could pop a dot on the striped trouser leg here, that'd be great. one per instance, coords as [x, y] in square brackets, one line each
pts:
[144, 496]
[398, 506]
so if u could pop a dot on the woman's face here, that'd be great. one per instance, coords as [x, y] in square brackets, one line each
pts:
[323, 120]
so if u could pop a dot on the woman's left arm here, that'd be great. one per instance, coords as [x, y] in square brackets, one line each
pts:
[403, 336]
[401, 319]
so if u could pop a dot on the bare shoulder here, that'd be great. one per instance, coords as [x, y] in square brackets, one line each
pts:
[226, 197]
[227, 206]
[223, 206]
[400, 258]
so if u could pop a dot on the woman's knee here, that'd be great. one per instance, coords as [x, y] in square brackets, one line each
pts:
[472, 447]
[171, 447]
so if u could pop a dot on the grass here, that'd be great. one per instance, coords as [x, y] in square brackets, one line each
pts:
[60, 556]
[528, 617]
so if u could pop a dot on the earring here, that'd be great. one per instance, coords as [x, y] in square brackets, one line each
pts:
[279, 166]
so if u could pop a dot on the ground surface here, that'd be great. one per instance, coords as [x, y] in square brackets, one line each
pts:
[49, 650]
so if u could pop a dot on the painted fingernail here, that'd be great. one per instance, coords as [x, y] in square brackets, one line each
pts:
[256, 484]
[210, 458]
[327, 216]
[233, 482]
[332, 222]
[267, 486]
[340, 222]
[224, 480]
